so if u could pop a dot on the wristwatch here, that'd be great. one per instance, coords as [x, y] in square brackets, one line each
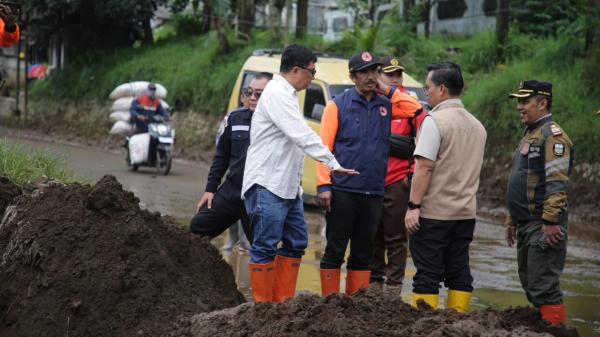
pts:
[412, 205]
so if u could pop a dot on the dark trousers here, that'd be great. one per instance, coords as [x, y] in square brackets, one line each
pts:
[353, 217]
[213, 221]
[391, 237]
[440, 251]
[540, 264]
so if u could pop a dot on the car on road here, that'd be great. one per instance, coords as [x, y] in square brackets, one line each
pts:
[330, 80]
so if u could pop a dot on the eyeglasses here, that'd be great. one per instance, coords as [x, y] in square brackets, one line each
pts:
[312, 71]
[426, 87]
[248, 92]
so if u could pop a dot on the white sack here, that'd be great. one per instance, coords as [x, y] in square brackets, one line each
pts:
[138, 148]
[124, 116]
[121, 128]
[124, 104]
[136, 89]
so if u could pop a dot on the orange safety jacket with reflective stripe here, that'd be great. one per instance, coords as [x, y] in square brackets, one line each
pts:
[7, 39]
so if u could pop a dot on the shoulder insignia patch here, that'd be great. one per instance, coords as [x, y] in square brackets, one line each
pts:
[555, 130]
[558, 149]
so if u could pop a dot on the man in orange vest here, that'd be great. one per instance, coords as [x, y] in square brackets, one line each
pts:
[145, 107]
[9, 29]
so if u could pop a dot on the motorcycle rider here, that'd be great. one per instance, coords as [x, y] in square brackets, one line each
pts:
[144, 107]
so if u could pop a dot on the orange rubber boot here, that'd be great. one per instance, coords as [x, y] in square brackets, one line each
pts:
[554, 313]
[262, 278]
[286, 274]
[356, 280]
[330, 281]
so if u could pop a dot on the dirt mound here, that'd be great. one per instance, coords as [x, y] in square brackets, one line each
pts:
[369, 313]
[86, 261]
[8, 191]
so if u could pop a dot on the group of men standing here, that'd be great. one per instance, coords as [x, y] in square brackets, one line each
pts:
[378, 189]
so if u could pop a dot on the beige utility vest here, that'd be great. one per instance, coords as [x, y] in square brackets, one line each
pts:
[455, 178]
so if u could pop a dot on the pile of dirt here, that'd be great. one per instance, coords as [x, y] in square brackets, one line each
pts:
[86, 261]
[368, 313]
[8, 192]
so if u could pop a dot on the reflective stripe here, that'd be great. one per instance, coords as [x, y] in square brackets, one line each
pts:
[554, 186]
[557, 165]
[240, 128]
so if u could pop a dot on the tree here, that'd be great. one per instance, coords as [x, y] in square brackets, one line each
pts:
[301, 18]
[543, 18]
[91, 25]
[502, 19]
[245, 14]
[408, 14]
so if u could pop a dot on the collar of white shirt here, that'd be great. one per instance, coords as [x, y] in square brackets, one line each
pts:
[286, 85]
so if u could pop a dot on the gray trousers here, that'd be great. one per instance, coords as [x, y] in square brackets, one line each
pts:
[540, 264]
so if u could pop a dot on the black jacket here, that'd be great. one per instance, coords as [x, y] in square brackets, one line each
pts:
[232, 146]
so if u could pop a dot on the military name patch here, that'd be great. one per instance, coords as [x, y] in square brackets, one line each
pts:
[555, 130]
[534, 151]
[558, 149]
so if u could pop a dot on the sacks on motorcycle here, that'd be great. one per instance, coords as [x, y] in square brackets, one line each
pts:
[122, 128]
[401, 146]
[138, 148]
[116, 116]
[124, 104]
[136, 89]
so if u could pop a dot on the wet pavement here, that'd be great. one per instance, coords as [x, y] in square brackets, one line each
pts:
[493, 263]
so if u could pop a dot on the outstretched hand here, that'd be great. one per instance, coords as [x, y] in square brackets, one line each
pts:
[346, 172]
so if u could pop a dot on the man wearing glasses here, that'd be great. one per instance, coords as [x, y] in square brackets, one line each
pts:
[221, 206]
[356, 127]
[279, 138]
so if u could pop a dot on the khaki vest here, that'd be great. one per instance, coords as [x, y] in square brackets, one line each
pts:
[455, 178]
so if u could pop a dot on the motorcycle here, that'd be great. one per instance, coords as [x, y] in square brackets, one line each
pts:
[161, 137]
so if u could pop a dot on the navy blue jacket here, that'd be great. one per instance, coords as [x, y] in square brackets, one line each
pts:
[147, 107]
[361, 142]
[232, 147]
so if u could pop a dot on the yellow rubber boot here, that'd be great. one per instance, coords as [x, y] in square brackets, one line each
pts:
[262, 278]
[430, 299]
[459, 300]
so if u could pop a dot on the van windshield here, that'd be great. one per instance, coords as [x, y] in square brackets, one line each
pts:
[335, 90]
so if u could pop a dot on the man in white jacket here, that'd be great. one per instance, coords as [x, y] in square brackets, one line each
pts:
[279, 138]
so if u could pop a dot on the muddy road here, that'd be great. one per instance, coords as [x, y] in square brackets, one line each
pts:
[493, 263]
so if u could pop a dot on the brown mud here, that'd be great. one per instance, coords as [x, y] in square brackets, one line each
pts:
[87, 261]
[368, 313]
[8, 192]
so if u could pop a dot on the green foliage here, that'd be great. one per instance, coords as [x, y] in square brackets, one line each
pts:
[22, 165]
[543, 18]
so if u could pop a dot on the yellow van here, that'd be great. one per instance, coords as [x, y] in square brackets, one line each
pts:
[331, 79]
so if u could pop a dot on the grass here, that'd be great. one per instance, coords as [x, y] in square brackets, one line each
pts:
[22, 165]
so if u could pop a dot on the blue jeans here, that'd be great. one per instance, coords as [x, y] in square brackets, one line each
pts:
[274, 219]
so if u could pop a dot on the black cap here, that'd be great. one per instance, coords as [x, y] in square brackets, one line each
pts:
[362, 61]
[532, 88]
[390, 64]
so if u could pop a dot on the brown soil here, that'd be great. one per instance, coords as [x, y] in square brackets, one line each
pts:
[369, 313]
[8, 191]
[86, 261]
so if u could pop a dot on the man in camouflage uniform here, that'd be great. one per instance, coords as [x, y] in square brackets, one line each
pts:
[537, 200]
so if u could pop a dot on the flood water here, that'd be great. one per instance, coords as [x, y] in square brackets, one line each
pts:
[493, 263]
